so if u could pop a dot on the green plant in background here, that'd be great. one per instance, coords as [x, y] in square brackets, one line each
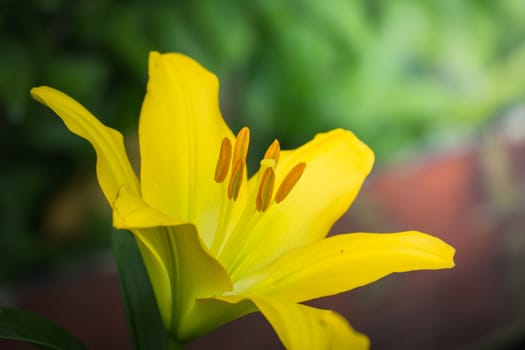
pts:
[397, 72]
[218, 245]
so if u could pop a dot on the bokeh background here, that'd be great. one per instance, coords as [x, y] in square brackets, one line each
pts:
[436, 88]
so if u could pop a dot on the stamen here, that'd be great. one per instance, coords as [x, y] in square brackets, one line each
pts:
[236, 179]
[289, 182]
[274, 151]
[242, 143]
[264, 195]
[223, 164]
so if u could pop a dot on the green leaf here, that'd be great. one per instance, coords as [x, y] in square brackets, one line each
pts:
[26, 326]
[143, 315]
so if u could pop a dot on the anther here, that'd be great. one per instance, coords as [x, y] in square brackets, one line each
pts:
[236, 179]
[242, 143]
[289, 182]
[223, 164]
[274, 151]
[264, 195]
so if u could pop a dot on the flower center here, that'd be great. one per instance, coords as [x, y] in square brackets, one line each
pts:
[238, 166]
[231, 229]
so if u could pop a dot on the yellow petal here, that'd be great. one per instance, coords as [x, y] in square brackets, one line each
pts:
[344, 262]
[337, 163]
[130, 211]
[303, 327]
[113, 167]
[174, 255]
[208, 314]
[180, 132]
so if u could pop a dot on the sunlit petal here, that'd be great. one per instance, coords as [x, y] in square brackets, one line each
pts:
[337, 163]
[113, 167]
[180, 133]
[303, 327]
[344, 262]
[130, 211]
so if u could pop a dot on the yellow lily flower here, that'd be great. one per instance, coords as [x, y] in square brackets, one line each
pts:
[218, 245]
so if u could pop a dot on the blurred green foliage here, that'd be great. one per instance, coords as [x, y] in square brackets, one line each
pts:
[394, 72]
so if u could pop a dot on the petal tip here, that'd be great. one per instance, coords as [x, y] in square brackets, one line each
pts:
[436, 246]
[38, 91]
[356, 143]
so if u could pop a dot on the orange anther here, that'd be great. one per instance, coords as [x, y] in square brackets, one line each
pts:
[236, 179]
[289, 182]
[242, 142]
[274, 151]
[264, 195]
[223, 164]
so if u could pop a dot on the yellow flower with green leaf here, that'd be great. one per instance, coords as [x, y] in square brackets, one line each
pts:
[217, 244]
